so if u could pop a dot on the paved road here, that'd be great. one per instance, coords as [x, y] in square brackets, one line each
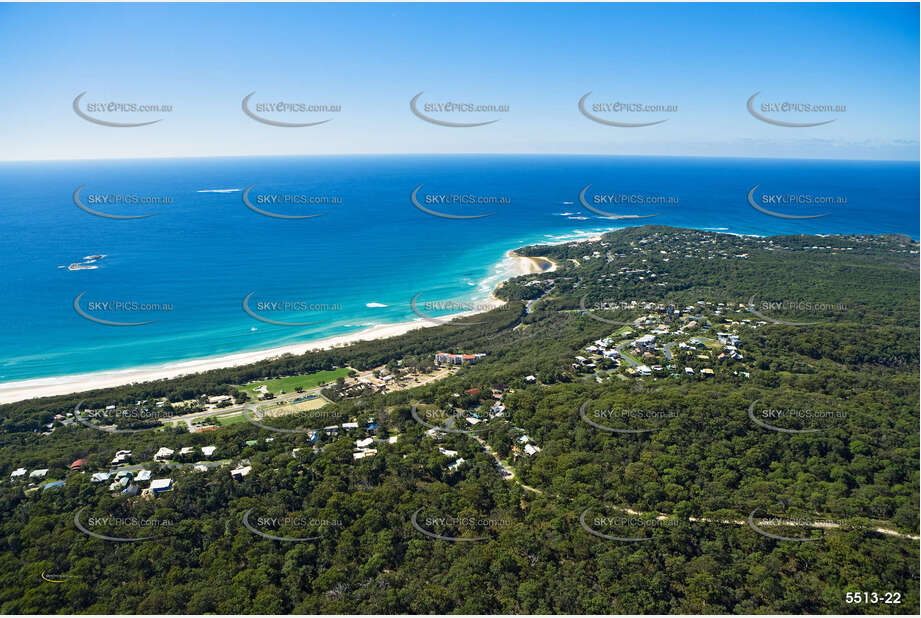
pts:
[529, 306]
[626, 356]
[509, 471]
[707, 520]
[773, 522]
[667, 349]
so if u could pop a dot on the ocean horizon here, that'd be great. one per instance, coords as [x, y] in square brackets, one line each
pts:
[174, 246]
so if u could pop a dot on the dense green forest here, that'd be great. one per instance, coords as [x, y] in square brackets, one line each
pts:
[822, 324]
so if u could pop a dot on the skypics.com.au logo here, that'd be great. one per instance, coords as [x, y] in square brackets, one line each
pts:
[269, 204]
[103, 112]
[271, 113]
[605, 112]
[441, 203]
[289, 528]
[437, 112]
[781, 113]
[633, 205]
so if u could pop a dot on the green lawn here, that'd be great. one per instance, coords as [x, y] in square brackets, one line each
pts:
[626, 354]
[290, 383]
[231, 419]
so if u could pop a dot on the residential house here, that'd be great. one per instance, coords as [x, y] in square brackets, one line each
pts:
[238, 473]
[646, 342]
[446, 358]
[158, 486]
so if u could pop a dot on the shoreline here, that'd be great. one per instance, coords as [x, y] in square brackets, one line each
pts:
[20, 390]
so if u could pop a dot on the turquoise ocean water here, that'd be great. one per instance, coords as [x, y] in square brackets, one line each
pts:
[371, 250]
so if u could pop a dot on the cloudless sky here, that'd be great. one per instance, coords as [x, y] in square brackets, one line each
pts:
[539, 59]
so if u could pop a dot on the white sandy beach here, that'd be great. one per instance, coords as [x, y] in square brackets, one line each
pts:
[63, 385]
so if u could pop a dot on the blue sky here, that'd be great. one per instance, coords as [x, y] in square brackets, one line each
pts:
[539, 59]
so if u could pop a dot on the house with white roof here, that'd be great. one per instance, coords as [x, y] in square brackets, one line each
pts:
[368, 452]
[240, 472]
[100, 477]
[158, 486]
[163, 453]
[38, 474]
[208, 451]
[457, 464]
[17, 473]
[530, 449]
[447, 452]
[143, 475]
[364, 443]
[646, 342]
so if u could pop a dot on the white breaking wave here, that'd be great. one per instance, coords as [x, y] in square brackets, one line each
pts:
[217, 190]
[375, 305]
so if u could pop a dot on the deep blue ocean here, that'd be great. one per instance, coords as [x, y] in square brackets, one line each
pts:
[205, 250]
